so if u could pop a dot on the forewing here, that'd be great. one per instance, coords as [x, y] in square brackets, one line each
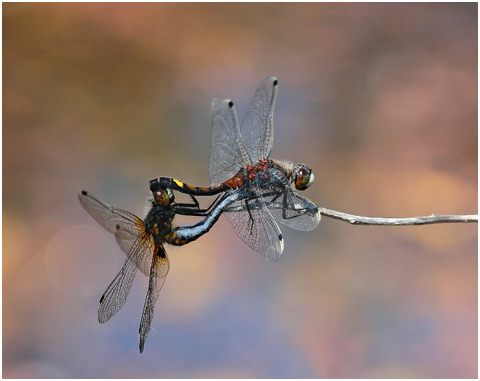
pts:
[116, 294]
[116, 221]
[255, 226]
[227, 154]
[158, 273]
[126, 226]
[257, 126]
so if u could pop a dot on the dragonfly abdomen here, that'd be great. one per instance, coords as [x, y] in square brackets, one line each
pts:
[172, 183]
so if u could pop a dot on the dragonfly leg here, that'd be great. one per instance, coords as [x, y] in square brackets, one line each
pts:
[250, 219]
[194, 209]
[195, 204]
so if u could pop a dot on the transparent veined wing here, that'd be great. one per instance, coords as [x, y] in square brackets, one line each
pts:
[257, 126]
[126, 226]
[294, 211]
[112, 219]
[255, 226]
[116, 293]
[142, 262]
[286, 206]
[227, 154]
[158, 273]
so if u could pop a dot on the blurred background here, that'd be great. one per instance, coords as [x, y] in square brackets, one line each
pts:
[380, 99]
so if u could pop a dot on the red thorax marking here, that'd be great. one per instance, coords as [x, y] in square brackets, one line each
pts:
[260, 166]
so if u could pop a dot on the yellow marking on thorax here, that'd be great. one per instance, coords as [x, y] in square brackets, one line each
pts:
[170, 236]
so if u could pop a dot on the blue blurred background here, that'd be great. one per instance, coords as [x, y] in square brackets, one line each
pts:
[380, 99]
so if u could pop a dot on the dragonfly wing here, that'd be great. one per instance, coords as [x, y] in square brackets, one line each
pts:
[142, 262]
[112, 219]
[257, 126]
[158, 273]
[116, 294]
[287, 206]
[126, 226]
[294, 211]
[255, 226]
[227, 154]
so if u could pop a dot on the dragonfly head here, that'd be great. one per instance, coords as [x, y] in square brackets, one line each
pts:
[302, 176]
[163, 196]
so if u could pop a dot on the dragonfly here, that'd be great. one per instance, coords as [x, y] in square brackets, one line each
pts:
[142, 241]
[239, 159]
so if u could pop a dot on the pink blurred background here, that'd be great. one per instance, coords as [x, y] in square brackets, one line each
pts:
[380, 99]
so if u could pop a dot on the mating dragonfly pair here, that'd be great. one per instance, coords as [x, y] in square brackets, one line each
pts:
[254, 192]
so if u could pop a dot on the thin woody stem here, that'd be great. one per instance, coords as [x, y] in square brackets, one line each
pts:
[424, 220]
[361, 220]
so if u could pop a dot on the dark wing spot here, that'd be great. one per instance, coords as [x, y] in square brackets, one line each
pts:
[230, 104]
[117, 226]
[161, 252]
[84, 192]
[280, 237]
[101, 299]
[275, 83]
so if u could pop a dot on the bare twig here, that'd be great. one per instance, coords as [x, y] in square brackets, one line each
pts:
[424, 220]
[361, 220]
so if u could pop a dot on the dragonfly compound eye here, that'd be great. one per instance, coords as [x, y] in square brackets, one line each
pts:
[163, 197]
[303, 176]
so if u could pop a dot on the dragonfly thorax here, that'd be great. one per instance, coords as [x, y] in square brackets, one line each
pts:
[260, 166]
[158, 221]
